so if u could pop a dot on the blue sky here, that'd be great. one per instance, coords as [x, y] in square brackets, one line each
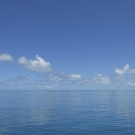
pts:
[70, 44]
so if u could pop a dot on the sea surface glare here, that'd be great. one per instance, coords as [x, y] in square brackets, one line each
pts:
[85, 112]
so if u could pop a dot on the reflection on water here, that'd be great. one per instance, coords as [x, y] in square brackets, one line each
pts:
[67, 112]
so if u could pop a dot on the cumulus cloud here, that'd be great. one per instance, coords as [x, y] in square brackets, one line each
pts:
[5, 57]
[130, 84]
[54, 78]
[48, 87]
[74, 76]
[125, 70]
[100, 79]
[37, 65]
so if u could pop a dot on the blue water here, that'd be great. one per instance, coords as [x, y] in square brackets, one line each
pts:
[67, 112]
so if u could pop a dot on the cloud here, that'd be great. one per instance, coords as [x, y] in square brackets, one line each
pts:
[48, 87]
[74, 77]
[100, 79]
[131, 84]
[54, 78]
[6, 57]
[122, 78]
[125, 70]
[37, 65]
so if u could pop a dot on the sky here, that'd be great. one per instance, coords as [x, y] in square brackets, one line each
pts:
[67, 44]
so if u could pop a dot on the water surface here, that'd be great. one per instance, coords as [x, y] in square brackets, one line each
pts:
[53, 112]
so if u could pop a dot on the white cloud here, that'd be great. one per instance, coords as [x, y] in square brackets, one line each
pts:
[48, 87]
[74, 76]
[100, 79]
[5, 57]
[130, 83]
[125, 70]
[37, 65]
[54, 78]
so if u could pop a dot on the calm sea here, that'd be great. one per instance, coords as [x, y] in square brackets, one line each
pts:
[67, 112]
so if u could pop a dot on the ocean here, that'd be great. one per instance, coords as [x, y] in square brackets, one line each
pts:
[67, 112]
